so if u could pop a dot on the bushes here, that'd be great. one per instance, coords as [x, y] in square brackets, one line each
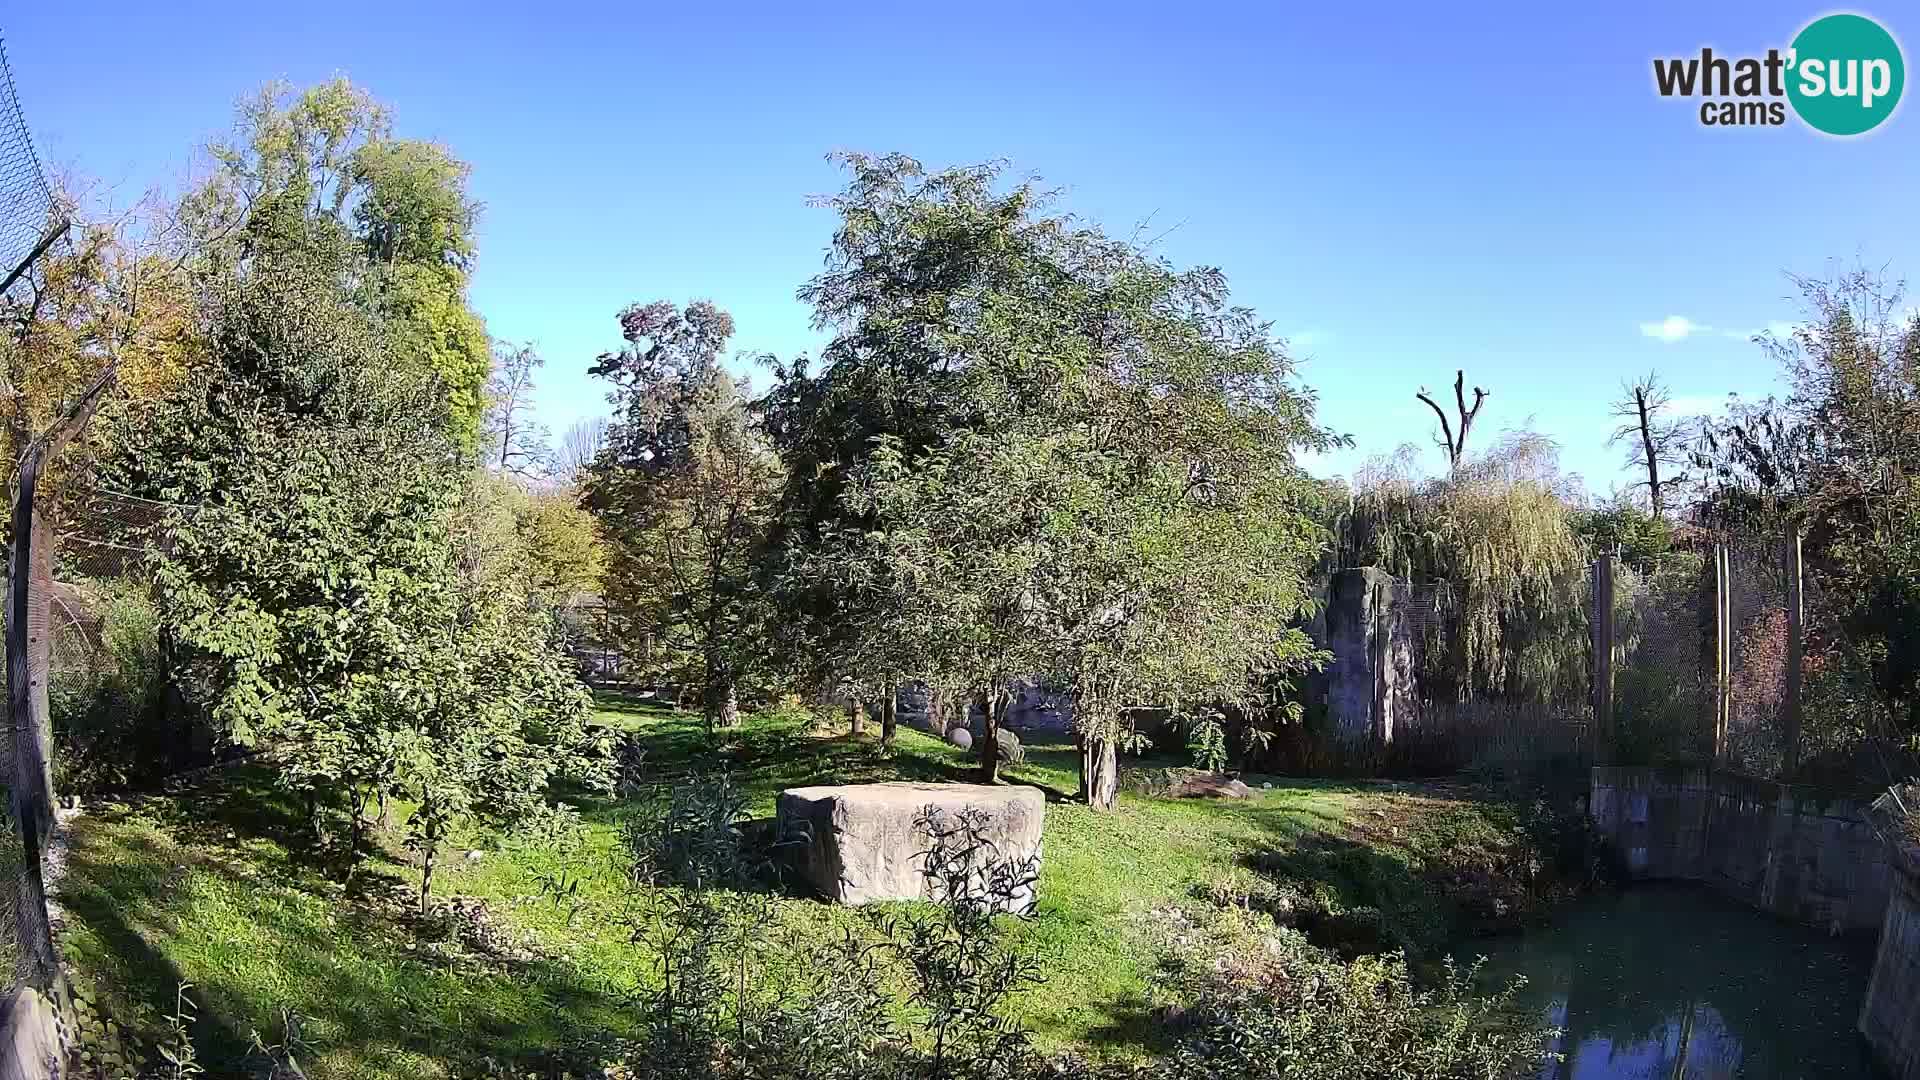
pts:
[1267, 1005]
[692, 837]
[732, 1005]
[930, 991]
[112, 726]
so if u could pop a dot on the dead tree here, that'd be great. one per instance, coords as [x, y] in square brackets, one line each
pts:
[1652, 438]
[1455, 445]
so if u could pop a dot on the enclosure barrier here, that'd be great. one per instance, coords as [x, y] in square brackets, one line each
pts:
[1834, 864]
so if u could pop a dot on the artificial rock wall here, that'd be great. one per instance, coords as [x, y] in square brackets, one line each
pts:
[1779, 849]
[1370, 683]
[1834, 864]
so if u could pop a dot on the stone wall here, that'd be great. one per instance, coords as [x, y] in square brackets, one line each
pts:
[1828, 863]
[1370, 683]
[1890, 1015]
[1777, 848]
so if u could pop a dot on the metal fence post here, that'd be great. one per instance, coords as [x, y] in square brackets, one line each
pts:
[1790, 706]
[1722, 650]
[1602, 657]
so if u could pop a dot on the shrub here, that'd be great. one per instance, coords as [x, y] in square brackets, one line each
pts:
[1263, 1003]
[691, 837]
[720, 1010]
[109, 704]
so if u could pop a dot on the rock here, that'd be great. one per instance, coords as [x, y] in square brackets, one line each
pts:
[1011, 751]
[860, 843]
[960, 737]
[1210, 786]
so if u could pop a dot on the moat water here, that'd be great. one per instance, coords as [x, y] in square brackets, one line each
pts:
[1675, 983]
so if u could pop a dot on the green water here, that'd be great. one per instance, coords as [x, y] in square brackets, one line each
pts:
[1674, 983]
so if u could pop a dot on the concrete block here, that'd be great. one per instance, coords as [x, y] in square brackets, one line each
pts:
[868, 842]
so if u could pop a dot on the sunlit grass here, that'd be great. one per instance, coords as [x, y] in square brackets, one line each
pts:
[215, 887]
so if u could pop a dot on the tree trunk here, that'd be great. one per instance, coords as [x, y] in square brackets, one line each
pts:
[426, 876]
[722, 702]
[993, 707]
[1647, 448]
[1099, 770]
[937, 711]
[857, 716]
[887, 717]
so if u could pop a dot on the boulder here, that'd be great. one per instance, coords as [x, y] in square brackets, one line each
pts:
[859, 843]
[1011, 752]
[960, 737]
[1209, 786]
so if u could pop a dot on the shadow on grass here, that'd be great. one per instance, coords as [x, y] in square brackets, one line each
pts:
[156, 896]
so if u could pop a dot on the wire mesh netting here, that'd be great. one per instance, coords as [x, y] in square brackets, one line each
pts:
[1755, 741]
[1663, 694]
[28, 212]
[1700, 678]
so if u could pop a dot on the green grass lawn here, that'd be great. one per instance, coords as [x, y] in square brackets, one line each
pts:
[213, 886]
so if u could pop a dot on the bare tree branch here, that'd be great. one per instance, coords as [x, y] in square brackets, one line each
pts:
[1456, 448]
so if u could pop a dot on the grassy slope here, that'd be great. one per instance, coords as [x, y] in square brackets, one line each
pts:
[212, 887]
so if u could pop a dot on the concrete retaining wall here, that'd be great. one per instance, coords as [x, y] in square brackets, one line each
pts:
[1780, 849]
[1890, 1015]
[1821, 862]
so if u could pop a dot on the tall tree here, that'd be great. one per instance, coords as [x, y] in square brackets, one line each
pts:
[1655, 439]
[1073, 461]
[578, 448]
[1838, 459]
[314, 585]
[511, 440]
[685, 492]
[319, 172]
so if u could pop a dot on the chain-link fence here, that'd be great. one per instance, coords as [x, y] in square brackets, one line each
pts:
[1664, 661]
[29, 216]
[29, 221]
[1730, 654]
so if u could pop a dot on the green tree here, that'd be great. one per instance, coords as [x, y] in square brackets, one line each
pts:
[1496, 540]
[319, 172]
[313, 585]
[1113, 502]
[1838, 458]
[685, 491]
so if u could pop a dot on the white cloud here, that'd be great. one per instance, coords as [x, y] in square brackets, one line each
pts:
[1672, 328]
[1679, 328]
[1307, 339]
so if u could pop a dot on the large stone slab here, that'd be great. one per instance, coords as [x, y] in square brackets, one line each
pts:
[858, 843]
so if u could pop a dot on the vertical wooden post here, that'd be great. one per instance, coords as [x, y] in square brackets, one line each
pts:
[1790, 706]
[1602, 657]
[1722, 650]
[29, 652]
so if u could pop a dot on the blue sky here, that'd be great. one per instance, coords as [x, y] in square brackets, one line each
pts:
[1403, 190]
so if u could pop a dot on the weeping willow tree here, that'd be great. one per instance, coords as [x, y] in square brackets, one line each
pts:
[1495, 543]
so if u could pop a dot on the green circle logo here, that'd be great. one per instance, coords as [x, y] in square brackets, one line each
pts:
[1845, 74]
